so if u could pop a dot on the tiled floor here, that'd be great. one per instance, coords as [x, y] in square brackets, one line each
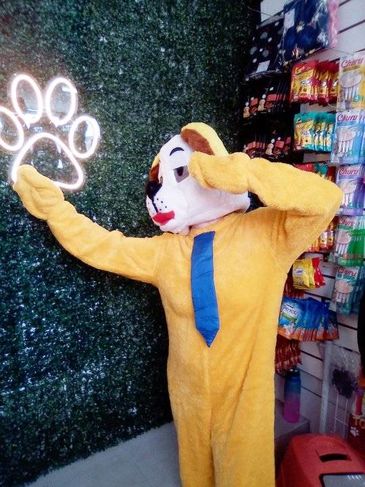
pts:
[149, 460]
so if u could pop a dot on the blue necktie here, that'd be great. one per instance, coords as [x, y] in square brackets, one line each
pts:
[202, 287]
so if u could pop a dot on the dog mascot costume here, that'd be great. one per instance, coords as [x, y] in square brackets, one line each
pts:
[220, 273]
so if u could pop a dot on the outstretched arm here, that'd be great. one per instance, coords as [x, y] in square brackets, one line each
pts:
[299, 205]
[136, 258]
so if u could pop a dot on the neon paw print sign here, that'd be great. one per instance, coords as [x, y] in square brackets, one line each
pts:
[48, 118]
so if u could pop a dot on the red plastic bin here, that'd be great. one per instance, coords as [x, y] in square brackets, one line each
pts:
[309, 457]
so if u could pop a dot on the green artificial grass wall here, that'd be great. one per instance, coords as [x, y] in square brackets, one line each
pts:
[82, 352]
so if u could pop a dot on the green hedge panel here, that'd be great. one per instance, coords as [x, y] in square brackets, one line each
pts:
[83, 353]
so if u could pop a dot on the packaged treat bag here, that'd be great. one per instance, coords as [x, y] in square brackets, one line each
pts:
[351, 82]
[314, 82]
[264, 53]
[349, 241]
[306, 320]
[351, 180]
[313, 131]
[303, 82]
[348, 137]
[349, 287]
[345, 283]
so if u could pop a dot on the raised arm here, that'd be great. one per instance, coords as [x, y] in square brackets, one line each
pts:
[136, 258]
[299, 205]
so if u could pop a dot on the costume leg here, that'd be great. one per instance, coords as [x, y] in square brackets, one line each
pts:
[243, 440]
[192, 421]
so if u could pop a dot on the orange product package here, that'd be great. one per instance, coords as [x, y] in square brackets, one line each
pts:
[304, 82]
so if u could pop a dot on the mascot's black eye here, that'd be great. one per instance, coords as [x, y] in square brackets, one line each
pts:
[181, 173]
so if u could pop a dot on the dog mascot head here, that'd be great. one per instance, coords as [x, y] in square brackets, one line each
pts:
[175, 200]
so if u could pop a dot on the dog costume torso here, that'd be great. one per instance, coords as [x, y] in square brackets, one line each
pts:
[222, 396]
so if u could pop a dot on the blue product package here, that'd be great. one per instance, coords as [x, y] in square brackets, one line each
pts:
[292, 315]
[312, 321]
[348, 137]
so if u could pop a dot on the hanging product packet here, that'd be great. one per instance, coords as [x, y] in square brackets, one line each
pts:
[349, 247]
[323, 80]
[264, 53]
[303, 82]
[331, 330]
[313, 131]
[291, 316]
[307, 274]
[349, 287]
[314, 82]
[348, 138]
[309, 25]
[351, 92]
[287, 354]
[345, 283]
[351, 180]
[318, 276]
[306, 320]
[333, 82]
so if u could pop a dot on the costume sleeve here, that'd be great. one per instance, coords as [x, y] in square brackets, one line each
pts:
[136, 258]
[299, 205]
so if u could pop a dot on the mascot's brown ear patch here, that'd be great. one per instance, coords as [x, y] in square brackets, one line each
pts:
[153, 174]
[196, 141]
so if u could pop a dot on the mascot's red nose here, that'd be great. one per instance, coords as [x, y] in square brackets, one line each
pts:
[163, 218]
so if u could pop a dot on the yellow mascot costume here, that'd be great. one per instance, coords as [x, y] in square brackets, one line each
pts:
[220, 273]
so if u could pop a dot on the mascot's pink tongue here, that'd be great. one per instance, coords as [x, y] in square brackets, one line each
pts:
[163, 218]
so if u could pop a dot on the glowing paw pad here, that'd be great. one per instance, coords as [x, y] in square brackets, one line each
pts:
[47, 117]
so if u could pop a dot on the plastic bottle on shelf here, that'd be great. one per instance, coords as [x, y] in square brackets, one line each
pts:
[292, 396]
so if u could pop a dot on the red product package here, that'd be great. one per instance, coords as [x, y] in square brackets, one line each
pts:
[318, 276]
[304, 82]
[324, 77]
[333, 82]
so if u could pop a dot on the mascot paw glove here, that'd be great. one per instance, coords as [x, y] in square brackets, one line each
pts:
[226, 173]
[38, 193]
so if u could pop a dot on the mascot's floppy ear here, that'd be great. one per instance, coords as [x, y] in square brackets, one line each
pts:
[153, 173]
[203, 138]
[211, 165]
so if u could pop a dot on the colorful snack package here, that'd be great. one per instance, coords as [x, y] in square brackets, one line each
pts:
[350, 180]
[351, 82]
[353, 302]
[322, 311]
[328, 136]
[318, 276]
[313, 131]
[348, 137]
[314, 320]
[303, 82]
[307, 320]
[287, 354]
[254, 102]
[350, 241]
[301, 131]
[324, 77]
[345, 282]
[331, 328]
[301, 271]
[346, 224]
[292, 313]
[246, 110]
[333, 82]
